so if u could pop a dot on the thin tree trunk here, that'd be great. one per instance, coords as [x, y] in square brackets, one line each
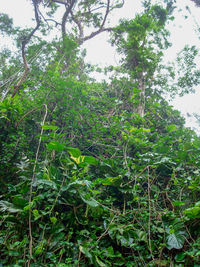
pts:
[141, 86]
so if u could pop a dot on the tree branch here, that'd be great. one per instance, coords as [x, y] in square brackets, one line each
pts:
[79, 25]
[65, 16]
[106, 14]
[93, 34]
[63, 2]
[24, 43]
[101, 28]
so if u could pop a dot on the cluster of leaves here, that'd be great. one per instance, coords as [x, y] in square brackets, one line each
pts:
[85, 180]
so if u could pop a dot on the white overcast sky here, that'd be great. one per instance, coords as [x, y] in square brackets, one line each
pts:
[100, 52]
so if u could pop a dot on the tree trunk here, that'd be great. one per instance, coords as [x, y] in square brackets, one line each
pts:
[141, 86]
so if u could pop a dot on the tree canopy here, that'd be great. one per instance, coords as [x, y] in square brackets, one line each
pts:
[97, 173]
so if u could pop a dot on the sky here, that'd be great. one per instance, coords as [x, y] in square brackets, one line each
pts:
[100, 52]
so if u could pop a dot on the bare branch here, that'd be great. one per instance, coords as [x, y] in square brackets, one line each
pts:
[64, 2]
[24, 43]
[101, 28]
[65, 16]
[106, 14]
[57, 23]
[93, 34]
[79, 25]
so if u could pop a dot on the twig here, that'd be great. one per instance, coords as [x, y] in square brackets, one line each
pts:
[30, 111]
[125, 157]
[134, 179]
[189, 234]
[116, 212]
[149, 222]
[79, 258]
[31, 188]
[104, 233]
[53, 206]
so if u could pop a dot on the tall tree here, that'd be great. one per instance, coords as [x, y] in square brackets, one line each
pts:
[141, 41]
[81, 21]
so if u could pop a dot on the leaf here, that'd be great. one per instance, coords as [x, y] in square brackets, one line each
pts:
[171, 128]
[74, 152]
[78, 160]
[49, 127]
[101, 263]
[7, 206]
[85, 251]
[110, 180]
[176, 240]
[38, 250]
[180, 257]
[53, 220]
[55, 145]
[193, 212]
[178, 203]
[84, 160]
[92, 202]
[20, 202]
[90, 160]
[45, 182]
[197, 204]
[36, 214]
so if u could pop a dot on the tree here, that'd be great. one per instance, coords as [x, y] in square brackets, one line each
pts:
[197, 2]
[141, 41]
[86, 180]
[80, 16]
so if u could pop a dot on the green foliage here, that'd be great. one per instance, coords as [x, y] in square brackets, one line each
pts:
[6, 24]
[89, 182]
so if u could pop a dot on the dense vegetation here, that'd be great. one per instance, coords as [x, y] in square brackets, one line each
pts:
[97, 173]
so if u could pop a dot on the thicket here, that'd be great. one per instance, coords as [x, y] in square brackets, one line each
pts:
[98, 173]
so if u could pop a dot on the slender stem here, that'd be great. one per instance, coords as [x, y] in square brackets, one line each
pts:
[149, 222]
[31, 188]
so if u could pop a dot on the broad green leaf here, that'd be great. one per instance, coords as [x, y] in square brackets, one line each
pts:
[19, 201]
[36, 214]
[90, 160]
[38, 250]
[176, 240]
[78, 160]
[55, 145]
[85, 251]
[53, 220]
[110, 180]
[45, 182]
[178, 203]
[180, 257]
[142, 236]
[7, 206]
[101, 264]
[92, 202]
[49, 127]
[74, 152]
[171, 128]
[193, 212]
[197, 204]
[160, 230]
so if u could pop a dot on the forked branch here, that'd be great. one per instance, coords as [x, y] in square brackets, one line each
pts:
[24, 44]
